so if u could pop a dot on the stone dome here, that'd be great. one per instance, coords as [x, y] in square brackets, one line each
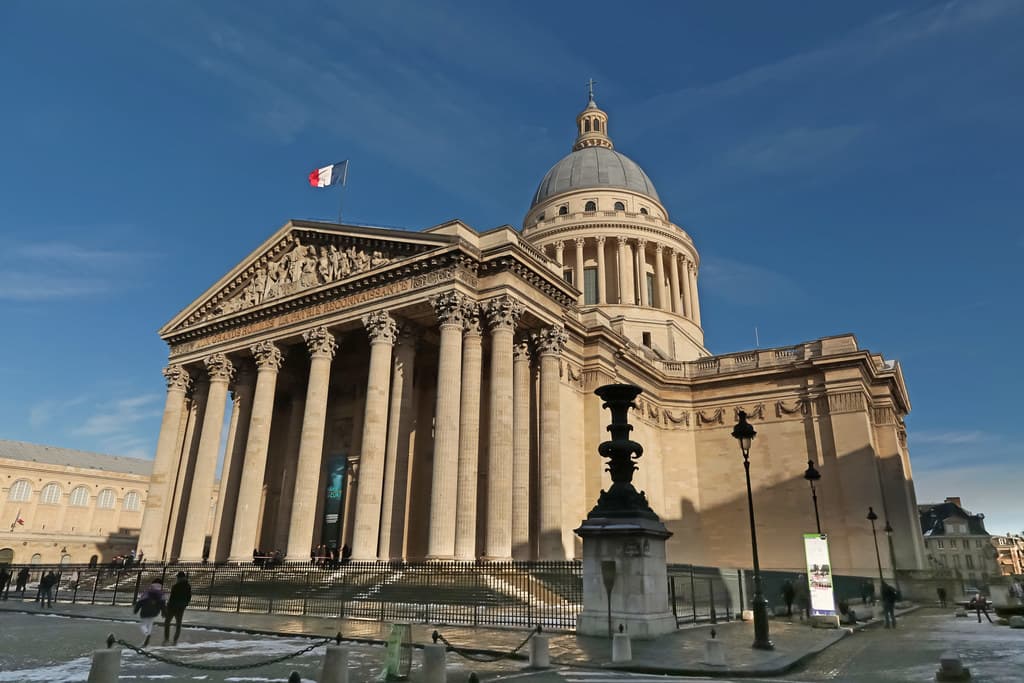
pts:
[594, 167]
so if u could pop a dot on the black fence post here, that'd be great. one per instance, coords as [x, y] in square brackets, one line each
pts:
[209, 592]
[95, 585]
[74, 596]
[305, 592]
[693, 595]
[672, 593]
[138, 580]
[241, 589]
[711, 600]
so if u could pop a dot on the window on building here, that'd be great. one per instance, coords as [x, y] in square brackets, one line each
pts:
[969, 560]
[650, 288]
[105, 501]
[540, 217]
[563, 210]
[586, 126]
[20, 491]
[597, 125]
[590, 206]
[977, 543]
[79, 497]
[131, 501]
[939, 544]
[65, 559]
[36, 559]
[590, 285]
[50, 494]
[567, 276]
[952, 543]
[619, 206]
[647, 339]
[643, 210]
[956, 561]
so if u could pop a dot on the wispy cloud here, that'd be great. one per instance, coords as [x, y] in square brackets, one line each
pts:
[42, 271]
[44, 412]
[747, 284]
[117, 425]
[794, 149]
[953, 438]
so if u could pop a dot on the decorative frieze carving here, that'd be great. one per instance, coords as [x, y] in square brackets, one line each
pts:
[449, 308]
[884, 415]
[550, 340]
[300, 267]
[717, 417]
[847, 402]
[504, 311]
[682, 419]
[219, 368]
[800, 406]
[575, 374]
[267, 355]
[320, 342]
[755, 413]
[381, 327]
[177, 377]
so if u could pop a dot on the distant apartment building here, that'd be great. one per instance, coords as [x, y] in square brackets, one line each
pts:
[956, 539]
[1010, 554]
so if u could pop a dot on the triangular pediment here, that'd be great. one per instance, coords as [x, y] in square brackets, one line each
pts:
[299, 258]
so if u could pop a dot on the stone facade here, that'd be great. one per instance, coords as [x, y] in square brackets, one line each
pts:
[448, 375]
[955, 539]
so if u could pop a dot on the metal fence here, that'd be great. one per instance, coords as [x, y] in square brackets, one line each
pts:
[457, 593]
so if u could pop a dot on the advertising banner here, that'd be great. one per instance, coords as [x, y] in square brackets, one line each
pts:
[334, 500]
[819, 575]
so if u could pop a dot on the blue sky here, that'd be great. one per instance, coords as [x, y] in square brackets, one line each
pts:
[843, 167]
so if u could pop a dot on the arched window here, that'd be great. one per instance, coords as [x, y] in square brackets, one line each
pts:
[36, 559]
[586, 126]
[597, 125]
[563, 210]
[105, 501]
[80, 496]
[619, 206]
[50, 495]
[591, 206]
[131, 501]
[20, 492]
[540, 217]
[643, 211]
[65, 559]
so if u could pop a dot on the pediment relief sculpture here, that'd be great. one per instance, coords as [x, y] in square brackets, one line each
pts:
[297, 268]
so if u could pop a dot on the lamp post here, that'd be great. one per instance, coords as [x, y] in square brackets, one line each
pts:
[872, 517]
[812, 475]
[892, 555]
[744, 433]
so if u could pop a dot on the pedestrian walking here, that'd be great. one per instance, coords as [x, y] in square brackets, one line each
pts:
[181, 596]
[980, 605]
[942, 596]
[788, 595]
[803, 597]
[867, 592]
[149, 607]
[889, 598]
[44, 593]
[5, 582]
[22, 581]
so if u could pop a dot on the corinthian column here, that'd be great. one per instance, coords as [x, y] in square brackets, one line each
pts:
[396, 457]
[579, 269]
[220, 370]
[641, 271]
[231, 471]
[625, 269]
[550, 342]
[503, 315]
[521, 548]
[559, 252]
[693, 293]
[450, 309]
[685, 277]
[383, 331]
[673, 280]
[601, 297]
[469, 434]
[247, 511]
[659, 278]
[153, 534]
[321, 347]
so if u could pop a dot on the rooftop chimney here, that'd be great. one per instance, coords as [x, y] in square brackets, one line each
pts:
[955, 500]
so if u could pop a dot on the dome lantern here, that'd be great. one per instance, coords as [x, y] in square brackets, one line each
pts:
[592, 125]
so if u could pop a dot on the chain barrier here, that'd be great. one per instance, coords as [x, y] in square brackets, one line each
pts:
[219, 667]
[484, 657]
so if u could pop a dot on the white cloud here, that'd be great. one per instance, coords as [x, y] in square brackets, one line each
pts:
[793, 149]
[747, 284]
[43, 271]
[952, 438]
[116, 416]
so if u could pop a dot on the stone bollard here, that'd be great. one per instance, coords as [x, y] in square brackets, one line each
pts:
[106, 666]
[952, 669]
[714, 652]
[961, 612]
[540, 658]
[335, 665]
[294, 677]
[622, 649]
[434, 664]
[1016, 621]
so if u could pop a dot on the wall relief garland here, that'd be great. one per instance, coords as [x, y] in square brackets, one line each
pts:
[716, 417]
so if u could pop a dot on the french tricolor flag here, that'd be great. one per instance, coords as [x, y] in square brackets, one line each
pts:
[334, 174]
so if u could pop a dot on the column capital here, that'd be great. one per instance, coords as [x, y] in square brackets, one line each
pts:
[450, 308]
[550, 340]
[504, 311]
[381, 327]
[521, 352]
[622, 241]
[580, 241]
[659, 248]
[267, 355]
[472, 323]
[559, 244]
[320, 342]
[408, 334]
[219, 368]
[177, 377]
[600, 240]
[641, 242]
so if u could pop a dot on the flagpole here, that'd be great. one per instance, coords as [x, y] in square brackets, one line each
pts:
[341, 194]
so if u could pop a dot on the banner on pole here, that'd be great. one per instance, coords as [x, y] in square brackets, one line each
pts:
[819, 575]
[335, 499]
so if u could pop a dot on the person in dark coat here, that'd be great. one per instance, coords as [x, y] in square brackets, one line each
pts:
[788, 595]
[942, 596]
[44, 594]
[803, 597]
[181, 596]
[22, 581]
[149, 607]
[889, 598]
[980, 604]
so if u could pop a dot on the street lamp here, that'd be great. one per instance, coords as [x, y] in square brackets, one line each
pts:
[812, 475]
[872, 517]
[744, 433]
[892, 555]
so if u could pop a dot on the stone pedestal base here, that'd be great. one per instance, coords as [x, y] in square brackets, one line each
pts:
[639, 597]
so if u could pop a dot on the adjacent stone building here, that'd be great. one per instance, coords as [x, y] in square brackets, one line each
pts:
[429, 395]
[956, 539]
[1009, 554]
[62, 505]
